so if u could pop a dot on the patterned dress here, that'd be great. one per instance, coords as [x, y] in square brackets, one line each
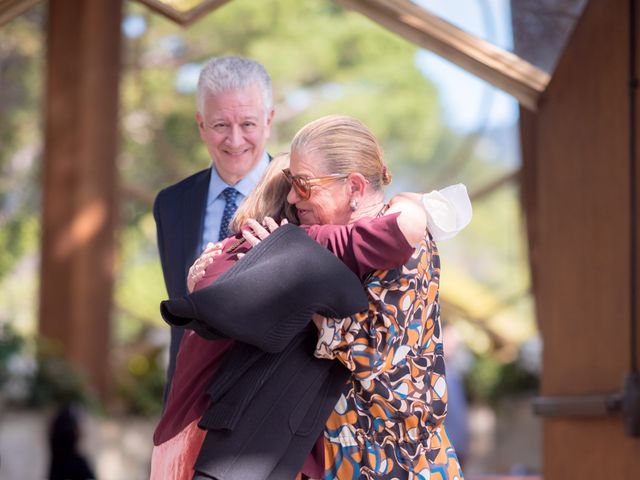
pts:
[389, 425]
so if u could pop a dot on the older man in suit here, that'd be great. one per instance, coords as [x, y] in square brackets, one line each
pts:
[235, 112]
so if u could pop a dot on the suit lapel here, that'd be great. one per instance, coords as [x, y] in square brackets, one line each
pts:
[193, 208]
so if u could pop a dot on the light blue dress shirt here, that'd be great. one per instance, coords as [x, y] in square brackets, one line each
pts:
[216, 202]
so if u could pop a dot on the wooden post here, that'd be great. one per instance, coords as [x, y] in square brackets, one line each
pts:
[576, 148]
[80, 180]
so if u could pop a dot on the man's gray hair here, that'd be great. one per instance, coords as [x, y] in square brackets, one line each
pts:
[221, 74]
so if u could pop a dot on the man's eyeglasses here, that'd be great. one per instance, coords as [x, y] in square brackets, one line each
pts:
[302, 185]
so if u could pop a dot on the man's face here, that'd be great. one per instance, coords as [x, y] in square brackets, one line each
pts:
[235, 128]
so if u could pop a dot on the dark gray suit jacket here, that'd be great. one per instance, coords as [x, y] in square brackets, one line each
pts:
[179, 214]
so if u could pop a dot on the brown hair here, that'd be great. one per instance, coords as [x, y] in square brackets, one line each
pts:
[269, 198]
[346, 146]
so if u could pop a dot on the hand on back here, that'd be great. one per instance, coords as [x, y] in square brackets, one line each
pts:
[197, 270]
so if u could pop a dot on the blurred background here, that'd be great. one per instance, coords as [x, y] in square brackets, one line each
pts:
[438, 125]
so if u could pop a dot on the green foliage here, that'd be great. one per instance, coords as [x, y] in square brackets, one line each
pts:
[21, 56]
[490, 379]
[37, 367]
[56, 381]
[17, 237]
[140, 382]
[139, 285]
[341, 61]
[10, 345]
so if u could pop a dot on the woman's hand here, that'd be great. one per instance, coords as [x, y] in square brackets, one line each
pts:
[256, 232]
[196, 271]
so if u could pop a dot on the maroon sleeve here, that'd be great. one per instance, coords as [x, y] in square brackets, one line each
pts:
[221, 263]
[367, 245]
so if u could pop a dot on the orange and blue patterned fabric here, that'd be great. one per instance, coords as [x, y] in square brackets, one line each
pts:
[389, 425]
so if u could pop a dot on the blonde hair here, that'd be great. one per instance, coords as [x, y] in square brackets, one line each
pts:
[346, 145]
[269, 198]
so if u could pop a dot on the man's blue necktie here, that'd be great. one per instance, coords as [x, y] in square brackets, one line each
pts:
[230, 195]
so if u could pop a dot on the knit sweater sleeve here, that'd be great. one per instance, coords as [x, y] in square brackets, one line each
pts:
[367, 245]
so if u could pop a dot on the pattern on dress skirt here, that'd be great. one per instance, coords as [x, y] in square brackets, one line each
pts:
[389, 425]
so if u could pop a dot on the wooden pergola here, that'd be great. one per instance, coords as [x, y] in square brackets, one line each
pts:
[574, 132]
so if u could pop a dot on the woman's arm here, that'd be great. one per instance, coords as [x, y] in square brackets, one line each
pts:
[368, 244]
[381, 243]
[444, 213]
[412, 218]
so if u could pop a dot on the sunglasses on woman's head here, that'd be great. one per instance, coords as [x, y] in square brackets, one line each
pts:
[302, 185]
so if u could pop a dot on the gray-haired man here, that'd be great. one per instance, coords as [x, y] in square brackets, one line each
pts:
[235, 111]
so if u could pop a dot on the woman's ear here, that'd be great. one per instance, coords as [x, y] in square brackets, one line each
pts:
[356, 184]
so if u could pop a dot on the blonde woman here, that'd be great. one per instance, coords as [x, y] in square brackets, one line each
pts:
[177, 438]
[389, 423]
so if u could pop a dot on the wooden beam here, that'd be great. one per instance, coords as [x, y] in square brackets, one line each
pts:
[502, 69]
[10, 9]
[79, 191]
[184, 17]
[495, 184]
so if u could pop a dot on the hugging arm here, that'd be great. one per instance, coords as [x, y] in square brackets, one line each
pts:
[380, 243]
[269, 295]
[412, 217]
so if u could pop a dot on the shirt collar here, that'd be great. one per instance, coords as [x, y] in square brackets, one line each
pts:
[244, 186]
